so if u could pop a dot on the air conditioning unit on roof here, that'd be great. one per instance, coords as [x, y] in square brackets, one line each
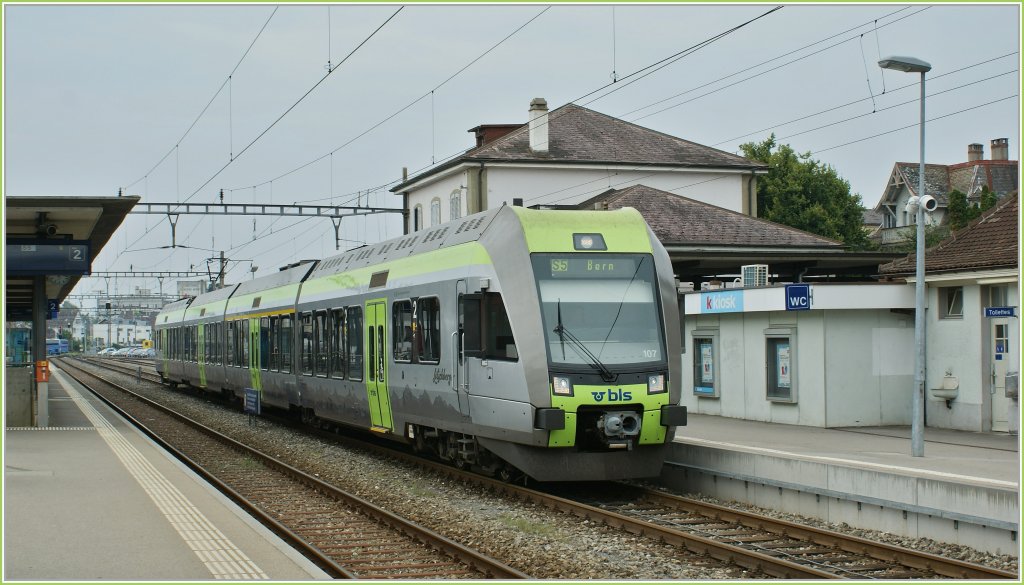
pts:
[754, 275]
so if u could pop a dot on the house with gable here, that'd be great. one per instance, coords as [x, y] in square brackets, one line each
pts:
[997, 174]
[970, 350]
[569, 155]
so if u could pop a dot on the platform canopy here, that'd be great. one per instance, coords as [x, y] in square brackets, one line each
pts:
[55, 237]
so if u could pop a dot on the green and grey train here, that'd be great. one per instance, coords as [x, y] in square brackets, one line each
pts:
[514, 341]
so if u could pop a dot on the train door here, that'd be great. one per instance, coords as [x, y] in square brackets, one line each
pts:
[999, 345]
[254, 355]
[376, 365]
[164, 350]
[201, 354]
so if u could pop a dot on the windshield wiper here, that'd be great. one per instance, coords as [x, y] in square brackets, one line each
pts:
[581, 348]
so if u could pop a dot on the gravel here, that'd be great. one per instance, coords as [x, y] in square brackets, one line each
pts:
[533, 539]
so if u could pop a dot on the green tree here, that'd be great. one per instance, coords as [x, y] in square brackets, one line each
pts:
[960, 212]
[803, 193]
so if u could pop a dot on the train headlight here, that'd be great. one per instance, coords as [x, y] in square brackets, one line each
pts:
[561, 386]
[655, 384]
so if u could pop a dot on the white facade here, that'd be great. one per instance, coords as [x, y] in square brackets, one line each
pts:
[967, 344]
[899, 216]
[554, 184]
[851, 356]
[847, 361]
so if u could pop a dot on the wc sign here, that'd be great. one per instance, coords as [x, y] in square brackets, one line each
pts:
[798, 297]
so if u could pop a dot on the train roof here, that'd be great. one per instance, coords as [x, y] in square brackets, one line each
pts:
[270, 292]
[540, 230]
[455, 232]
[173, 312]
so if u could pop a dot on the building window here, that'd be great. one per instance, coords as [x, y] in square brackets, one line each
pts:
[997, 296]
[417, 218]
[780, 361]
[705, 366]
[456, 204]
[435, 212]
[951, 302]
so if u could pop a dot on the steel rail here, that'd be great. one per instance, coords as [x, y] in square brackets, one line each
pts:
[946, 567]
[751, 560]
[472, 558]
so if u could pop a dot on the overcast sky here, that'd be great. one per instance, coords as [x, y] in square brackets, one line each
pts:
[96, 96]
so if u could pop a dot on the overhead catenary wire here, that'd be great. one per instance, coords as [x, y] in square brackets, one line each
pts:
[857, 101]
[209, 103]
[827, 149]
[280, 117]
[759, 74]
[403, 108]
[675, 57]
[648, 69]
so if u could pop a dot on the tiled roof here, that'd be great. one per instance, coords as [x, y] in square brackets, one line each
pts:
[998, 175]
[677, 220]
[578, 134]
[936, 179]
[872, 217]
[986, 243]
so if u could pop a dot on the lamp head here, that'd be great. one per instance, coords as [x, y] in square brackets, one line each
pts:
[905, 64]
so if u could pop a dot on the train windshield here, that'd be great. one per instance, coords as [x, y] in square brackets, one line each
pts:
[600, 310]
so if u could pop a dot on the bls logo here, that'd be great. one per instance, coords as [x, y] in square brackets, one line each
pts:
[612, 395]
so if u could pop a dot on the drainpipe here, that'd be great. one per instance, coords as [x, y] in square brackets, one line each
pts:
[752, 195]
[480, 197]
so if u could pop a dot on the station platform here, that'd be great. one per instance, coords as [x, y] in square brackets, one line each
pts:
[92, 498]
[965, 490]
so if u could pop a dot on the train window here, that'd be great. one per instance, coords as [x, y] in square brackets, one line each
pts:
[275, 343]
[370, 337]
[208, 343]
[306, 349]
[286, 344]
[337, 343]
[487, 331]
[229, 346]
[354, 339]
[499, 343]
[428, 320]
[243, 342]
[320, 332]
[401, 332]
[264, 343]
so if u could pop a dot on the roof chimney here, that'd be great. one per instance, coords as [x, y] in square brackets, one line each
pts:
[975, 152]
[539, 125]
[1000, 149]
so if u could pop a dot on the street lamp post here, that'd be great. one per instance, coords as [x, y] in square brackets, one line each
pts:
[912, 65]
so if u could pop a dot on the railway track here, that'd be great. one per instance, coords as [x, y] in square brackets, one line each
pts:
[757, 543]
[345, 535]
[841, 555]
